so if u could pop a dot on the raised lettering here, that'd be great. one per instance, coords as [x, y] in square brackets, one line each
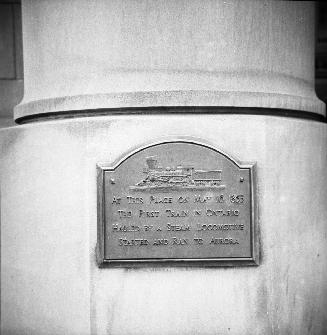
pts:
[148, 214]
[172, 227]
[173, 214]
[180, 241]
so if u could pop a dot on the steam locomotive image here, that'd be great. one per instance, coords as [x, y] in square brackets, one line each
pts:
[181, 177]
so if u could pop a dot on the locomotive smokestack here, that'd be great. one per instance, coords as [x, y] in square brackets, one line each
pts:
[152, 162]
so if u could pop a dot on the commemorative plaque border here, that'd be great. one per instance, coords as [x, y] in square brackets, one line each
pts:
[186, 262]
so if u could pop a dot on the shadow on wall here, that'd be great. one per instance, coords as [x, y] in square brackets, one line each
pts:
[321, 51]
[11, 60]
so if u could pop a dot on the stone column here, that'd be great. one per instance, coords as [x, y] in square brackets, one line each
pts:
[105, 77]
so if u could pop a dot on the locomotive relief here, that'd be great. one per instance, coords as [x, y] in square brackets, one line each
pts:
[177, 178]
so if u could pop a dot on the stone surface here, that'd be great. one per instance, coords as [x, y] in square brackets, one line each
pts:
[167, 53]
[51, 283]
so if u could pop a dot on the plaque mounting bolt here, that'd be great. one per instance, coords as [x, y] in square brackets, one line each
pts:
[112, 181]
[241, 179]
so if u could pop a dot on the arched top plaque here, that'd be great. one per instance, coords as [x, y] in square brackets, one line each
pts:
[177, 203]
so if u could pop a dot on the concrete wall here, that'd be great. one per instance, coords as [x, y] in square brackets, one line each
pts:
[167, 53]
[51, 283]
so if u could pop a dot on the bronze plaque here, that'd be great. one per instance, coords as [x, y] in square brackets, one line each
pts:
[176, 202]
